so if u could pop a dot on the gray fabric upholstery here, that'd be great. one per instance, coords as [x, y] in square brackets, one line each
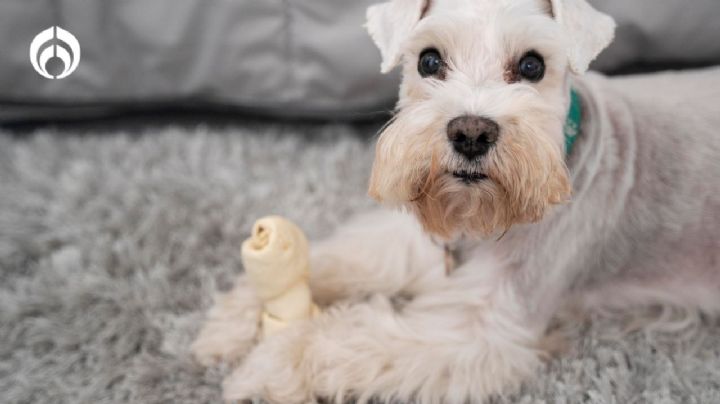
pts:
[294, 57]
[667, 32]
[284, 57]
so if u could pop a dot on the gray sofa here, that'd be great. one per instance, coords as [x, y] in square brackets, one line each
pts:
[282, 58]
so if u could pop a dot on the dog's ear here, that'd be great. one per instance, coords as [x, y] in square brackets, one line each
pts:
[389, 24]
[589, 31]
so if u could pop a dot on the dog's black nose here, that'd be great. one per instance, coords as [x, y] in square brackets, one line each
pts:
[471, 135]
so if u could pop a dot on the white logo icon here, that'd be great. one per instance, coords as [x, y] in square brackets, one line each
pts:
[55, 42]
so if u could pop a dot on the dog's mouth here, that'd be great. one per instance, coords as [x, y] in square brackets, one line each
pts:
[469, 177]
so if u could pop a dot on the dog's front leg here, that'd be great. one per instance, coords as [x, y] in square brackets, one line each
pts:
[379, 252]
[463, 340]
[231, 327]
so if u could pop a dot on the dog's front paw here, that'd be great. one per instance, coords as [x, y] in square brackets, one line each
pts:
[369, 351]
[231, 327]
[274, 371]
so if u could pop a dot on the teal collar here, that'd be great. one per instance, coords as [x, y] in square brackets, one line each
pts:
[572, 122]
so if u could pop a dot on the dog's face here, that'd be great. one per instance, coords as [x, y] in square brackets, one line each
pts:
[477, 142]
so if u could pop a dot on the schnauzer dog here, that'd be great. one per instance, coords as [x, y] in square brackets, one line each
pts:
[545, 187]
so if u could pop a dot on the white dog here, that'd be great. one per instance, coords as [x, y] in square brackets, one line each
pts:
[549, 187]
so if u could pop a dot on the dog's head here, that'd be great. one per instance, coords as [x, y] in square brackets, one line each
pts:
[477, 142]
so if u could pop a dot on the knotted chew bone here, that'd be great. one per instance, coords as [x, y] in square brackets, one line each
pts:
[276, 260]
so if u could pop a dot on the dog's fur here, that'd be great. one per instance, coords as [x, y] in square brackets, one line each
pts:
[629, 218]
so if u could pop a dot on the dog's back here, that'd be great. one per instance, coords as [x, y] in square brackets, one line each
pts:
[667, 230]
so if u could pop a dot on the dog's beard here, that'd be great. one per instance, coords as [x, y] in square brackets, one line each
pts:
[517, 181]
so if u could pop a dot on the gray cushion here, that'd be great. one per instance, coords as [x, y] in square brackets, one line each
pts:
[289, 58]
[306, 58]
[662, 32]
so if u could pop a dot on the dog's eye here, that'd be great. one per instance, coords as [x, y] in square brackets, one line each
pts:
[430, 63]
[532, 67]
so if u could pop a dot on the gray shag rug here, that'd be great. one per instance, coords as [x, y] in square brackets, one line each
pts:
[112, 245]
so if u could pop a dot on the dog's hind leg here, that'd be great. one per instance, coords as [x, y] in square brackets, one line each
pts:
[675, 291]
[690, 293]
[672, 304]
[382, 252]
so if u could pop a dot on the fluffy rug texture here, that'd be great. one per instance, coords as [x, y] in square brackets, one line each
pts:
[113, 244]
